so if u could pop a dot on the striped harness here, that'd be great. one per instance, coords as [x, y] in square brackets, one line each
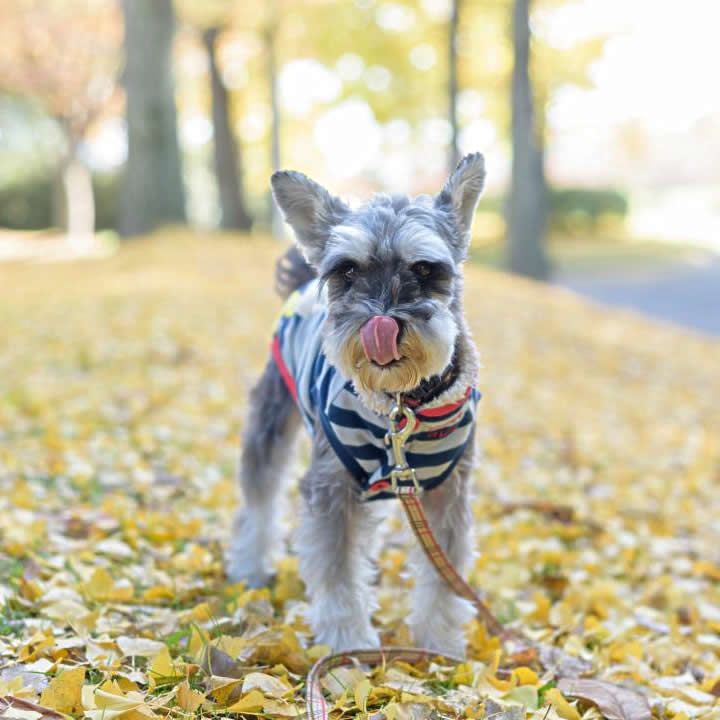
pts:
[356, 433]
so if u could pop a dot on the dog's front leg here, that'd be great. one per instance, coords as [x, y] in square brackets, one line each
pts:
[438, 616]
[335, 542]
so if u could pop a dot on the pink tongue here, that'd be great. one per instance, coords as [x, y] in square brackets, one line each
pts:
[379, 339]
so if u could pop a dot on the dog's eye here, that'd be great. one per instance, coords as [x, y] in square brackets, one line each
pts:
[348, 271]
[422, 269]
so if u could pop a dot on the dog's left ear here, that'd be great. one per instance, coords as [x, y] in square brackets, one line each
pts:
[462, 192]
[310, 210]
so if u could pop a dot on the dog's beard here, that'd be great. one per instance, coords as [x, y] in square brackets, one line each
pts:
[423, 354]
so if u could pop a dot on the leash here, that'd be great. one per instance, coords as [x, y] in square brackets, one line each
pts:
[406, 487]
[404, 483]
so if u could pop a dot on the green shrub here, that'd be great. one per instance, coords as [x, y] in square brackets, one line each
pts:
[27, 204]
[575, 211]
[581, 210]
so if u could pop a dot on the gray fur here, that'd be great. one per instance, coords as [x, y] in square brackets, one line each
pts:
[268, 444]
[382, 241]
[308, 208]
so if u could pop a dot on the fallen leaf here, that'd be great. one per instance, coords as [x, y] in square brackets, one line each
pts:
[614, 701]
[267, 684]
[252, 702]
[15, 705]
[187, 698]
[139, 647]
[561, 706]
[361, 692]
[64, 693]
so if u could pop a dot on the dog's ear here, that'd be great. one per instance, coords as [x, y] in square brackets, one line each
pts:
[309, 209]
[462, 192]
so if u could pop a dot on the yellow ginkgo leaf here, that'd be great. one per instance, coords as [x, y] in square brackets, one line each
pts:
[252, 702]
[163, 665]
[187, 698]
[64, 693]
[561, 706]
[361, 692]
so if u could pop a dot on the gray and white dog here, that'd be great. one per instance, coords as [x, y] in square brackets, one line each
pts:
[376, 309]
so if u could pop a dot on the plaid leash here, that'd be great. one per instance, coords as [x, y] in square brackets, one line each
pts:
[417, 518]
[317, 708]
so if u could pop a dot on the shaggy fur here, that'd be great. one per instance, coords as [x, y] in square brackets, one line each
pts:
[392, 256]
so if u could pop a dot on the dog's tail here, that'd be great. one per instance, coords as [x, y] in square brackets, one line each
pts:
[291, 272]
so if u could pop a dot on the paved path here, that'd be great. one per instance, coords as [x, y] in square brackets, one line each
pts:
[685, 292]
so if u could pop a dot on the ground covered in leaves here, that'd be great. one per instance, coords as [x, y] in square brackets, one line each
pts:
[122, 388]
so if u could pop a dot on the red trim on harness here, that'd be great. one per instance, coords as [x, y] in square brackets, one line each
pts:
[283, 368]
[379, 486]
[445, 409]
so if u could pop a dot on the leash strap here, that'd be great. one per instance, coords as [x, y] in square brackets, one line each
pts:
[317, 708]
[418, 521]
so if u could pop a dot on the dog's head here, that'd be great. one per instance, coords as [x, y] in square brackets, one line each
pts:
[393, 273]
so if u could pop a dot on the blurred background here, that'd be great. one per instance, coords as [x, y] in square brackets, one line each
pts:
[599, 121]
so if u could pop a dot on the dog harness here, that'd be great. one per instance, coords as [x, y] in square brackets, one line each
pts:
[356, 433]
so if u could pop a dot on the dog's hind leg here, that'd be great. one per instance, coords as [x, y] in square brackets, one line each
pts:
[268, 440]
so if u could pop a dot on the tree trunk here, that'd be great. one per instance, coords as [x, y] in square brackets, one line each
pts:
[276, 221]
[526, 211]
[454, 150]
[80, 204]
[73, 197]
[153, 192]
[228, 169]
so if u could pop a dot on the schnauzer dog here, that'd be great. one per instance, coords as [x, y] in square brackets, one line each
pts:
[374, 309]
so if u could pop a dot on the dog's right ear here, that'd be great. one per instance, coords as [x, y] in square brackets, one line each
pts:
[309, 209]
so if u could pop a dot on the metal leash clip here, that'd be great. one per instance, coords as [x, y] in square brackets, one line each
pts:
[396, 439]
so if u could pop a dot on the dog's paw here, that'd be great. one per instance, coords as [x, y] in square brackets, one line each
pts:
[347, 637]
[248, 558]
[448, 642]
[439, 625]
[241, 566]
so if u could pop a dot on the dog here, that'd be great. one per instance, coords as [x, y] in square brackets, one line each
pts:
[375, 309]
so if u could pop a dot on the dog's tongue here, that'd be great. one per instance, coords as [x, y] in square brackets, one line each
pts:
[379, 339]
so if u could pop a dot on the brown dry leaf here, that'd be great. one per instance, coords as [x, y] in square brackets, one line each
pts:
[11, 706]
[219, 663]
[64, 693]
[615, 702]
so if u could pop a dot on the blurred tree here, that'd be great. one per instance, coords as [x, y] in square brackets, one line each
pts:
[64, 56]
[213, 18]
[270, 31]
[153, 191]
[527, 201]
[228, 169]
[453, 24]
